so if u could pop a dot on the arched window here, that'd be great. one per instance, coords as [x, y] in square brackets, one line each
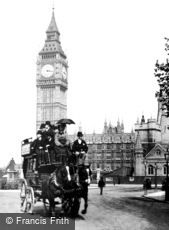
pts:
[158, 152]
[150, 170]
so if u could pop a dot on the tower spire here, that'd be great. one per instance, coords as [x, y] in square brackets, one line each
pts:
[142, 119]
[52, 43]
[52, 26]
[53, 7]
[138, 144]
[105, 126]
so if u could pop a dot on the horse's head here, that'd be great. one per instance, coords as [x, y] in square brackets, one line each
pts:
[63, 175]
[59, 179]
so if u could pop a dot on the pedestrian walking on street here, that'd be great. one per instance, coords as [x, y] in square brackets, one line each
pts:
[101, 185]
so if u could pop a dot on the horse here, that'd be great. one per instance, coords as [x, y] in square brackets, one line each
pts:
[84, 179]
[62, 184]
[54, 185]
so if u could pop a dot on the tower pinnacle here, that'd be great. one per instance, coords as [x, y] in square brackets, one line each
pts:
[52, 43]
[53, 8]
[52, 26]
[138, 144]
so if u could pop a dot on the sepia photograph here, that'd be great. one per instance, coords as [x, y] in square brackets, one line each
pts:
[84, 114]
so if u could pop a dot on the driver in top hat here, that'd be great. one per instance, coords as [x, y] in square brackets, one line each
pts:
[80, 148]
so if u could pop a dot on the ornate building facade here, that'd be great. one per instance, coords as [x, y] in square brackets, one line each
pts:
[51, 80]
[153, 139]
[111, 150]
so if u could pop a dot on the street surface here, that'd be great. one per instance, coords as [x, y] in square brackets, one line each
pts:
[121, 207]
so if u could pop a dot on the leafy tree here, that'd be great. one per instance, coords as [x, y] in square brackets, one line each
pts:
[162, 74]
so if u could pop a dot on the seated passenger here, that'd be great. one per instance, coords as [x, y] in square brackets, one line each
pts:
[48, 128]
[61, 136]
[38, 143]
[50, 147]
[42, 128]
[37, 148]
[62, 148]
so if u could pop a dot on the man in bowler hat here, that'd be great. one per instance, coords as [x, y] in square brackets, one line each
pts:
[80, 148]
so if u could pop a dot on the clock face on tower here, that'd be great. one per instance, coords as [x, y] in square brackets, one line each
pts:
[47, 70]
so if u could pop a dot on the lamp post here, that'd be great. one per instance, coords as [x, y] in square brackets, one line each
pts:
[122, 158]
[145, 183]
[145, 165]
[132, 158]
[155, 175]
[167, 184]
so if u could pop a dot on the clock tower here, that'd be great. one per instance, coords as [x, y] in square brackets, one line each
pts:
[51, 80]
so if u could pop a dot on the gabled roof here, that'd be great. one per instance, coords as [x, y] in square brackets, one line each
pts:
[153, 152]
[11, 165]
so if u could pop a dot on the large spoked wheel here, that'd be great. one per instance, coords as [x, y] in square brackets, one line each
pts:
[29, 200]
[23, 195]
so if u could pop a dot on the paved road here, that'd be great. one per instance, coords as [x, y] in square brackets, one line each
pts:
[120, 208]
[9, 201]
[123, 208]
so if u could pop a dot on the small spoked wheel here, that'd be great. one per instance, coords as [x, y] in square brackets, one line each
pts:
[29, 200]
[23, 196]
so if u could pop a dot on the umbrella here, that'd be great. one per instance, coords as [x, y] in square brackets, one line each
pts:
[65, 121]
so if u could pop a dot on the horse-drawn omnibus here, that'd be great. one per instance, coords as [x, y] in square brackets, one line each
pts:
[53, 183]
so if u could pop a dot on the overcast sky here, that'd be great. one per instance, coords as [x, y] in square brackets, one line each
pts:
[111, 47]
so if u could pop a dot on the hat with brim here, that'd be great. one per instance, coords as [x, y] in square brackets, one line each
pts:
[39, 132]
[42, 126]
[48, 123]
[80, 134]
